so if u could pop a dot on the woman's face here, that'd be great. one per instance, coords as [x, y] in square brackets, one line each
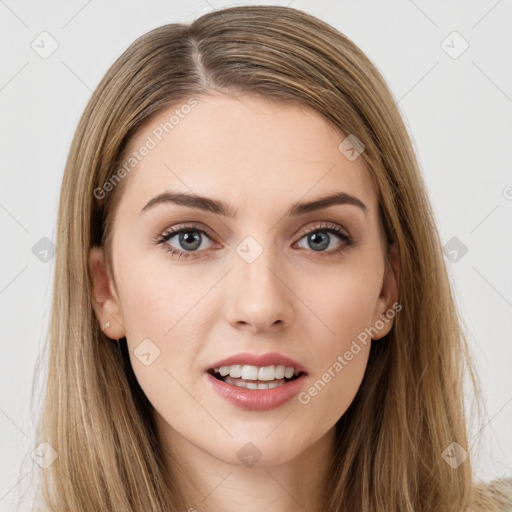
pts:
[260, 276]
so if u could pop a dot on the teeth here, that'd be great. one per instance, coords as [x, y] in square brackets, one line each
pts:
[253, 385]
[249, 372]
[264, 373]
[235, 371]
[267, 373]
[224, 370]
[280, 371]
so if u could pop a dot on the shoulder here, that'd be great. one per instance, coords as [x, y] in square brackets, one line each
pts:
[493, 496]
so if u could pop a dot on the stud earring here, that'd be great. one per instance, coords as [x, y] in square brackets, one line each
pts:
[107, 324]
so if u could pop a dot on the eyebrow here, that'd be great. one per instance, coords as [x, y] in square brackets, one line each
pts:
[221, 208]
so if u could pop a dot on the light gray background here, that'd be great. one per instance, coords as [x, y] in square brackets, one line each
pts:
[458, 111]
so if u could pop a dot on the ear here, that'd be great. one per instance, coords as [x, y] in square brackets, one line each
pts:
[387, 303]
[104, 299]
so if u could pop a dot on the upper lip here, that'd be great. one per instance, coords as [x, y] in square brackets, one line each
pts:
[268, 359]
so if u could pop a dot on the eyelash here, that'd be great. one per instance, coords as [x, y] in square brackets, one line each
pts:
[326, 228]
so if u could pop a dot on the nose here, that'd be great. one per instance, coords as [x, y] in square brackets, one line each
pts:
[259, 295]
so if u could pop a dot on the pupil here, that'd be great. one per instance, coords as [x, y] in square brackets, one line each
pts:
[314, 239]
[190, 237]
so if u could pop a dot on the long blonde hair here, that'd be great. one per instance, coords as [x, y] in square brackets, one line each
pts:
[410, 407]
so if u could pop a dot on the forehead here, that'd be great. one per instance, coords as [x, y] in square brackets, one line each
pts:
[245, 148]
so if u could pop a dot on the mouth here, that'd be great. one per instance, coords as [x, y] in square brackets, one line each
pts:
[253, 377]
[256, 382]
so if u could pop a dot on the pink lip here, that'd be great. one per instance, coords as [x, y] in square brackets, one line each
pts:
[256, 399]
[268, 359]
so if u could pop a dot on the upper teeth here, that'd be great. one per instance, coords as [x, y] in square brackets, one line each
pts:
[257, 373]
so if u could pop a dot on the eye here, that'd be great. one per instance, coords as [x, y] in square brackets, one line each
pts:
[190, 240]
[318, 239]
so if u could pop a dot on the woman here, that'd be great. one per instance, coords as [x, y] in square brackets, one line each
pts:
[251, 306]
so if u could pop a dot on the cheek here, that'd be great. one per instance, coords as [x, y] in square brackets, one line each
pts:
[329, 394]
[156, 297]
[343, 301]
[160, 312]
[340, 358]
[349, 311]
[345, 305]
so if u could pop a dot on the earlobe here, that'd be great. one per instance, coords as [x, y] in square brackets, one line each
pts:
[104, 299]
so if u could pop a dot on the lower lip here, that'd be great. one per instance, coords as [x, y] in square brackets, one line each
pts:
[256, 399]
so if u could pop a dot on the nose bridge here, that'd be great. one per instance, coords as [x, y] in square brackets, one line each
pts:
[258, 294]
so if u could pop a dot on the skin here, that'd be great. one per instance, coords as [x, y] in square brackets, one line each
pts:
[306, 304]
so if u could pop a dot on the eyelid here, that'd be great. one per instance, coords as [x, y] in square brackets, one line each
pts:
[330, 227]
[327, 226]
[184, 226]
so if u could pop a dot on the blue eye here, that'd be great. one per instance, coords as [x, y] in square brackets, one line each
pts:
[190, 238]
[318, 239]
